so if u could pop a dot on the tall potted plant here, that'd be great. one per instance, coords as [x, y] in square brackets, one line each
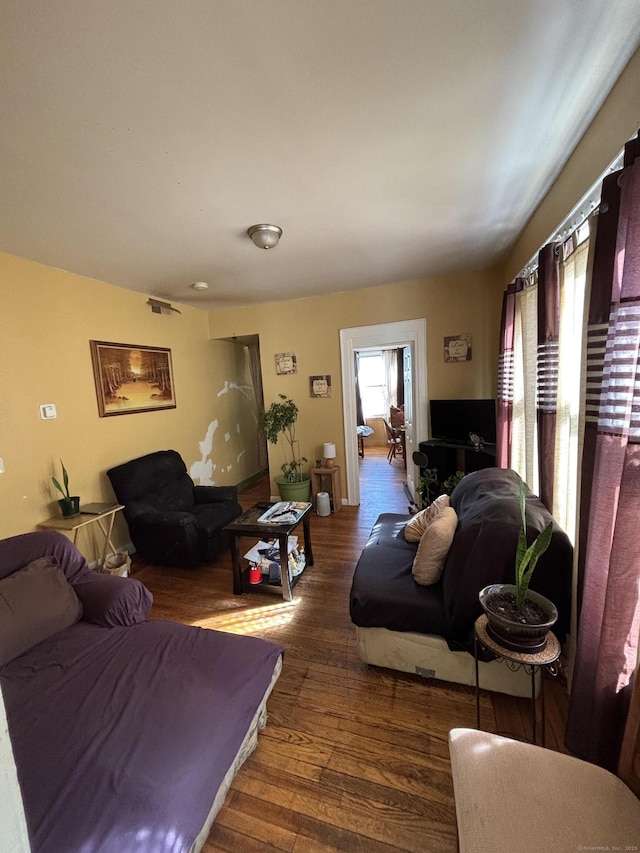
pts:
[519, 618]
[69, 504]
[280, 420]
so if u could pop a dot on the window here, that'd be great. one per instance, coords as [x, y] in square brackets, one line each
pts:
[373, 385]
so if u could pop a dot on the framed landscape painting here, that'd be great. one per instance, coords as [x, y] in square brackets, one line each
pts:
[132, 378]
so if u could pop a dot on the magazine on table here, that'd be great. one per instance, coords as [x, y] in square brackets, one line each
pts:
[284, 512]
[269, 549]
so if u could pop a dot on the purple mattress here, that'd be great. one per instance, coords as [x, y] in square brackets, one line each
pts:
[122, 736]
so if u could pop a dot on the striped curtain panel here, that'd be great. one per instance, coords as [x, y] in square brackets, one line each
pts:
[504, 404]
[548, 334]
[609, 617]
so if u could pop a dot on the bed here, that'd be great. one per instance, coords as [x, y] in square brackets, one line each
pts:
[127, 732]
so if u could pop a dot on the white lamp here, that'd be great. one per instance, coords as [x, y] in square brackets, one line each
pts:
[329, 453]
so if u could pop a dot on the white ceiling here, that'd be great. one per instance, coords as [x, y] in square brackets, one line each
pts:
[390, 139]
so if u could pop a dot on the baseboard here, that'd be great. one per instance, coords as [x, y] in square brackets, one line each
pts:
[244, 484]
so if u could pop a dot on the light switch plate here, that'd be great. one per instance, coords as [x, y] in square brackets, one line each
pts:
[48, 411]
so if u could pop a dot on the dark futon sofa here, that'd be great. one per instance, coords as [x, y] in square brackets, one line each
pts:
[429, 629]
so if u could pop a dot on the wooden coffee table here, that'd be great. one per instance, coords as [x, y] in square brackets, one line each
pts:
[248, 525]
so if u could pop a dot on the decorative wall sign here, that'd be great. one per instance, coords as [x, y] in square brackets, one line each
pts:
[457, 348]
[320, 386]
[286, 362]
[132, 378]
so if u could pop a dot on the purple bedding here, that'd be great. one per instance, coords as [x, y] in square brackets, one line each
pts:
[123, 732]
[122, 736]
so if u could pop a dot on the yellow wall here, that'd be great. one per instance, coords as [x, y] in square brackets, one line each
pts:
[49, 317]
[466, 303]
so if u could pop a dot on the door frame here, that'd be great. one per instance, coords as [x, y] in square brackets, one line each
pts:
[411, 333]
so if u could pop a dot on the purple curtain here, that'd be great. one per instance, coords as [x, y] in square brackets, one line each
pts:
[504, 405]
[547, 368]
[609, 609]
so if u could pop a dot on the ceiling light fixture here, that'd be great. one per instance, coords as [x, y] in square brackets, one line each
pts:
[200, 286]
[265, 236]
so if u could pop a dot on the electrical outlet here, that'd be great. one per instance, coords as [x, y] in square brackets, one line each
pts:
[1, 465]
[48, 411]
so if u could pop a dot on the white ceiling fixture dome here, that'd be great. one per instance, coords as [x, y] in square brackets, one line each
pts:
[265, 236]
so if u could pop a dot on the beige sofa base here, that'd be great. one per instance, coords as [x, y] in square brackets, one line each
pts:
[429, 656]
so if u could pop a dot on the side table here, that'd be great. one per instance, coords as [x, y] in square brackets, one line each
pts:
[542, 661]
[317, 477]
[77, 521]
[247, 524]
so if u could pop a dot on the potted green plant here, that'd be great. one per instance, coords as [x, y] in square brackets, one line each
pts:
[280, 420]
[426, 486]
[519, 618]
[451, 482]
[69, 504]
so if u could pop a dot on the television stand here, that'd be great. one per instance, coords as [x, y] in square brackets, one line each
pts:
[447, 457]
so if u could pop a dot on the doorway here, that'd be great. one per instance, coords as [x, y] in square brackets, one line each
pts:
[411, 335]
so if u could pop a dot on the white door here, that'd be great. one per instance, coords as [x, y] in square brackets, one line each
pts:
[404, 333]
[409, 438]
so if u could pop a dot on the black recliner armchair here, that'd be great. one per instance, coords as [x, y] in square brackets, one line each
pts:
[172, 521]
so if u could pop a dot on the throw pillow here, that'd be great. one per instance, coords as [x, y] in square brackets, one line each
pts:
[36, 602]
[431, 555]
[113, 601]
[416, 527]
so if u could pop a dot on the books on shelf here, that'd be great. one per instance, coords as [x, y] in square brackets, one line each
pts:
[284, 512]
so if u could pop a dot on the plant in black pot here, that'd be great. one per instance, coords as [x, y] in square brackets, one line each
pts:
[519, 618]
[451, 482]
[427, 487]
[69, 504]
[280, 420]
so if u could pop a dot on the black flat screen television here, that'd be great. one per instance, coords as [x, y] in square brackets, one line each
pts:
[453, 420]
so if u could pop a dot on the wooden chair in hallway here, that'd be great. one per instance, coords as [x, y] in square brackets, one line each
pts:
[394, 442]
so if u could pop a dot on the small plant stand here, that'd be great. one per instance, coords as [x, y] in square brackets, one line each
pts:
[317, 477]
[532, 663]
[104, 520]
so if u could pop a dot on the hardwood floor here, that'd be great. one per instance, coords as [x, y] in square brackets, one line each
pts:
[353, 758]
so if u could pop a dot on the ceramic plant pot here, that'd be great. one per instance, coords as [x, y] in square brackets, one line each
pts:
[298, 491]
[520, 631]
[69, 507]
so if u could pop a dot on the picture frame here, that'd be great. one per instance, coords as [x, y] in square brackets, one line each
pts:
[457, 348]
[286, 363]
[320, 386]
[132, 378]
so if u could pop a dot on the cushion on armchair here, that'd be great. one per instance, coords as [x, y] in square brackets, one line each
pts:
[36, 602]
